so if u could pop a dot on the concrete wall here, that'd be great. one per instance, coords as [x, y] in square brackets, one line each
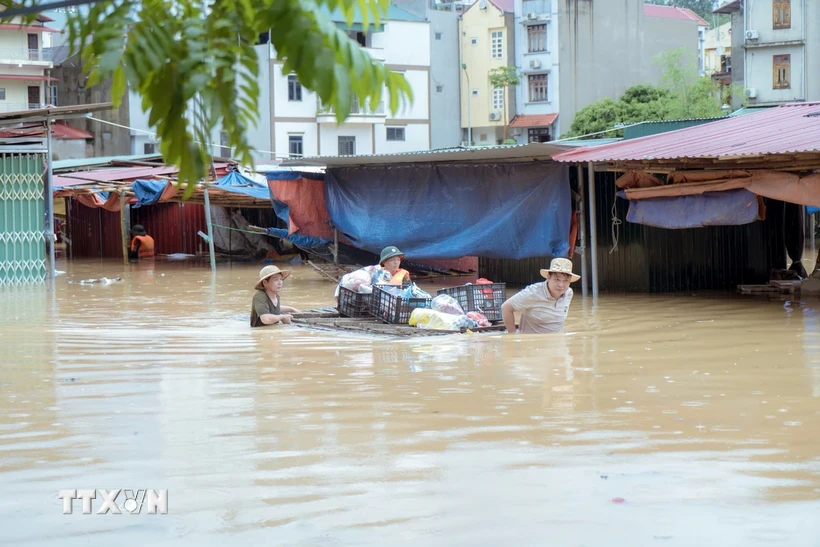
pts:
[72, 149]
[445, 121]
[72, 90]
[738, 60]
[606, 47]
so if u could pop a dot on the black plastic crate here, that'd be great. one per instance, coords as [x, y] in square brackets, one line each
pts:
[394, 309]
[485, 298]
[353, 304]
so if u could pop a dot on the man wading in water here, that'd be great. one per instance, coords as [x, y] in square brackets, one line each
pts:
[266, 308]
[543, 306]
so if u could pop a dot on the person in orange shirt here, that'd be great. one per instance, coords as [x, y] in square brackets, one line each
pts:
[390, 260]
[142, 245]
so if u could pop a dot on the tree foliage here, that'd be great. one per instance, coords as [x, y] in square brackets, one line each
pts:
[195, 67]
[504, 77]
[682, 94]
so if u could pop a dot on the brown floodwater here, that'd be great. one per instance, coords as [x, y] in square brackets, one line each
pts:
[655, 420]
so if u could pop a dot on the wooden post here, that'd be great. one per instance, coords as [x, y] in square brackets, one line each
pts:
[335, 246]
[123, 228]
[582, 221]
[593, 233]
[210, 229]
[51, 273]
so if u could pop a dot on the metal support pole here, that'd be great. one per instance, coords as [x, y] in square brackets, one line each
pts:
[335, 246]
[583, 230]
[593, 232]
[469, 118]
[210, 230]
[123, 228]
[52, 269]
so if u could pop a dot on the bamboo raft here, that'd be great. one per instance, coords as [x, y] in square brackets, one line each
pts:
[329, 319]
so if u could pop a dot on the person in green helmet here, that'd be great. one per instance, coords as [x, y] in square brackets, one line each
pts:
[387, 271]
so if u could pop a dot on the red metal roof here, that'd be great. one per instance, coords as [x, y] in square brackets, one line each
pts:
[59, 130]
[27, 28]
[671, 12]
[728, 8]
[782, 130]
[63, 131]
[35, 78]
[534, 120]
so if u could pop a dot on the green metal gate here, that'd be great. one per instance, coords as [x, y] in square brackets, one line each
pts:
[22, 219]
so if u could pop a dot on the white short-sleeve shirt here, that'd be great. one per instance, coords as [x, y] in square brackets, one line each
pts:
[540, 312]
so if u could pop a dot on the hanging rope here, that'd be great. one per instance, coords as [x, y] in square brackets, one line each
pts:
[616, 226]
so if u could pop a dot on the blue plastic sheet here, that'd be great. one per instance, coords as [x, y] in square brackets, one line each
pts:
[449, 211]
[239, 184]
[811, 210]
[148, 192]
[293, 175]
[729, 208]
[306, 242]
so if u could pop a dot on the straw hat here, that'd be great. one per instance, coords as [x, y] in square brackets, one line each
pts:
[561, 265]
[388, 253]
[267, 272]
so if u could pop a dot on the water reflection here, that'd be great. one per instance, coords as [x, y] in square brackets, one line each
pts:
[691, 409]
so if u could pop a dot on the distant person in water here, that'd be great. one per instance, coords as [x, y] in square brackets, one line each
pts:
[142, 245]
[543, 306]
[388, 270]
[266, 308]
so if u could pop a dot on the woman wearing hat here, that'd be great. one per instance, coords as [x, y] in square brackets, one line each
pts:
[388, 270]
[142, 245]
[543, 306]
[266, 308]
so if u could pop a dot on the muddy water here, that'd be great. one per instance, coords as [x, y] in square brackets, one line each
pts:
[654, 421]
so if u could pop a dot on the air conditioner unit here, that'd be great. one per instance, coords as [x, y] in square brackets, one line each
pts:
[751, 35]
[532, 16]
[495, 116]
[751, 93]
[535, 63]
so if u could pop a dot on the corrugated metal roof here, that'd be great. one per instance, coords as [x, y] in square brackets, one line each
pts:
[533, 120]
[91, 162]
[644, 129]
[728, 8]
[785, 129]
[672, 12]
[520, 152]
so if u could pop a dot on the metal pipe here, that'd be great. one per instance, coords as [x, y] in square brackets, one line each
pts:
[582, 230]
[210, 230]
[593, 235]
[52, 270]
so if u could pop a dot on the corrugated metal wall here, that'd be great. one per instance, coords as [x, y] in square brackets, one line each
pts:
[650, 259]
[644, 129]
[173, 226]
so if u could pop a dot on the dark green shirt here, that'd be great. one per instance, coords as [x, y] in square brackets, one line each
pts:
[261, 305]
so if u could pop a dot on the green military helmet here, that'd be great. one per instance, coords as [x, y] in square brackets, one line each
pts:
[388, 253]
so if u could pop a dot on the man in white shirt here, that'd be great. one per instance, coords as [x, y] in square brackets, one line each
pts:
[543, 306]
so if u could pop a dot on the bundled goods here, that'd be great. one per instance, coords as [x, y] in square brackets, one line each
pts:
[446, 304]
[436, 320]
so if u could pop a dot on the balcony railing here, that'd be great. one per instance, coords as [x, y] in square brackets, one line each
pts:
[23, 55]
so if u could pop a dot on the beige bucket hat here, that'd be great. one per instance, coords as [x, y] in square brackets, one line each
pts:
[267, 272]
[561, 265]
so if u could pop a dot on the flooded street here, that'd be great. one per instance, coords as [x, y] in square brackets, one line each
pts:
[656, 420]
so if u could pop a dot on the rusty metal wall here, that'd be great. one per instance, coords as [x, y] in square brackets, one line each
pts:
[173, 226]
[85, 228]
[655, 260]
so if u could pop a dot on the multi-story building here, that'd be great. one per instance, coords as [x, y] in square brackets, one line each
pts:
[773, 42]
[25, 64]
[572, 54]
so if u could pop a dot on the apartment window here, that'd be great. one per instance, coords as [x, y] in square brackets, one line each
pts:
[475, 93]
[358, 37]
[2, 93]
[438, 36]
[347, 146]
[395, 134]
[782, 14]
[54, 95]
[224, 147]
[497, 44]
[295, 149]
[538, 134]
[538, 88]
[148, 148]
[294, 89]
[498, 98]
[781, 71]
[439, 88]
[537, 38]
[473, 41]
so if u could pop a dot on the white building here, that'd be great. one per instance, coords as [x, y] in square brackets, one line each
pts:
[25, 63]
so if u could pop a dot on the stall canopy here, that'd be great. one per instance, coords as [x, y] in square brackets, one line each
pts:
[449, 211]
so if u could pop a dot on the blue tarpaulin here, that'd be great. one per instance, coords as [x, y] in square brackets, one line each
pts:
[449, 211]
[729, 208]
[239, 184]
[284, 174]
[811, 210]
[148, 192]
[299, 240]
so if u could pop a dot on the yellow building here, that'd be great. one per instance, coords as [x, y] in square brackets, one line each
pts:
[717, 49]
[487, 41]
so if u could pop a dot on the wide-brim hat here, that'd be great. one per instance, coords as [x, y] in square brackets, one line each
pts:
[138, 230]
[267, 272]
[388, 253]
[560, 265]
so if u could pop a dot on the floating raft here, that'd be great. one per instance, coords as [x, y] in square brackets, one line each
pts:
[329, 319]
[775, 287]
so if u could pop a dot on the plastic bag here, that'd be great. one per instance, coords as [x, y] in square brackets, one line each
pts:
[413, 291]
[354, 281]
[447, 304]
[379, 276]
[479, 318]
[425, 318]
